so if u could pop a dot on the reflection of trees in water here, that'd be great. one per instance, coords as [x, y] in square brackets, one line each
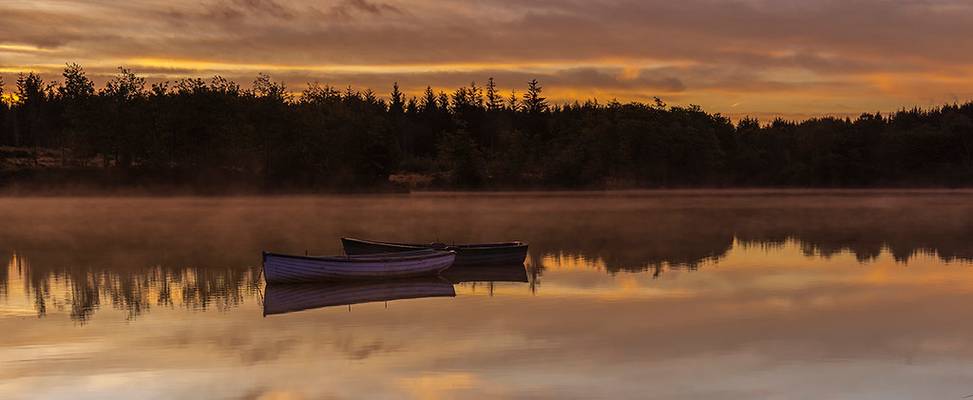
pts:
[636, 233]
[688, 238]
[681, 234]
[866, 231]
[5, 278]
[81, 292]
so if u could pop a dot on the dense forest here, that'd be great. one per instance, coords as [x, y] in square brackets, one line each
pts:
[215, 135]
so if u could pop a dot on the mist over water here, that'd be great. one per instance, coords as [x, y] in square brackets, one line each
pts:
[729, 294]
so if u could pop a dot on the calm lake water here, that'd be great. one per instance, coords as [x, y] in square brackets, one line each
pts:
[718, 295]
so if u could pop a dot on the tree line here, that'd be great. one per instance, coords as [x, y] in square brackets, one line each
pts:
[216, 132]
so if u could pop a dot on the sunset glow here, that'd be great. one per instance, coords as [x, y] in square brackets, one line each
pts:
[742, 57]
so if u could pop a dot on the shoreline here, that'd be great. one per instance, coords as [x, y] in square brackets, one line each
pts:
[581, 192]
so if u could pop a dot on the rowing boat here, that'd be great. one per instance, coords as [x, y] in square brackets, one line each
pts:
[504, 253]
[286, 298]
[284, 268]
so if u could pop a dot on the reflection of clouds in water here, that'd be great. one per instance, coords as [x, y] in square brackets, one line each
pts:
[751, 327]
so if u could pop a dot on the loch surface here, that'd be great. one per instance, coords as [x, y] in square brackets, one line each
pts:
[655, 294]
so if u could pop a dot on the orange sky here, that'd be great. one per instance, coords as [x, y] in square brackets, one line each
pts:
[738, 57]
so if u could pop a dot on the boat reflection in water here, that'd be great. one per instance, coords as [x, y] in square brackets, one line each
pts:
[286, 298]
[282, 298]
[491, 273]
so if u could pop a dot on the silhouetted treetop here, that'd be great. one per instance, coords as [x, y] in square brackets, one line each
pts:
[76, 85]
[533, 102]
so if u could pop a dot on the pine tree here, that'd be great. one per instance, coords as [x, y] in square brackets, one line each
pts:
[369, 97]
[494, 102]
[126, 91]
[442, 100]
[76, 85]
[396, 100]
[31, 97]
[351, 94]
[76, 93]
[30, 88]
[533, 102]
[460, 100]
[429, 100]
[126, 86]
[412, 106]
[475, 95]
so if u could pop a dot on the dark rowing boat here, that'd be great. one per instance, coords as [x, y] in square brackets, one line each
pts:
[505, 253]
[283, 268]
[286, 298]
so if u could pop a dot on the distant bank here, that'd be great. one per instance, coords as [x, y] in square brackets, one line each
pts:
[41, 171]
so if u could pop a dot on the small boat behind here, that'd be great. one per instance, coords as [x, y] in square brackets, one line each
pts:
[504, 253]
[284, 268]
[286, 298]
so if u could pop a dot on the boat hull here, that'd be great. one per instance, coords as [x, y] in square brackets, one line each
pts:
[470, 254]
[286, 298]
[280, 268]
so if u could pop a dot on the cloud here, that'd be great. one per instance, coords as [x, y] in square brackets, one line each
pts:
[348, 7]
[238, 9]
[700, 50]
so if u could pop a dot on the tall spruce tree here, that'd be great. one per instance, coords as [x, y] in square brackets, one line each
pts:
[31, 104]
[76, 94]
[493, 100]
[533, 102]
[396, 100]
[429, 100]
